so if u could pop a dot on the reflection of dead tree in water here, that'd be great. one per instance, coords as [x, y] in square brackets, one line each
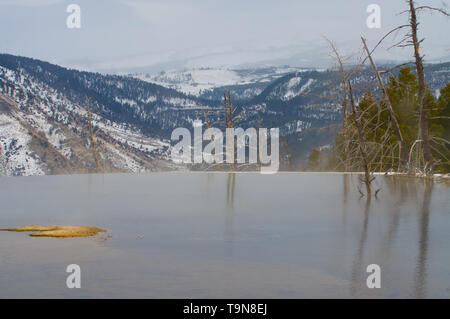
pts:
[344, 210]
[231, 181]
[424, 220]
[358, 262]
[345, 187]
[229, 217]
[399, 188]
[344, 200]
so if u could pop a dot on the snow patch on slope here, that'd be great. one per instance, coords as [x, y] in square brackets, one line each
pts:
[196, 81]
[16, 155]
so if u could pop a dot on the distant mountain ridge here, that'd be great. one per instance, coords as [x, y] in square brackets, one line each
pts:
[205, 82]
[44, 124]
[44, 113]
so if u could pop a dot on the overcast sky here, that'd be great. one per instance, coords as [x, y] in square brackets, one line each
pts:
[128, 35]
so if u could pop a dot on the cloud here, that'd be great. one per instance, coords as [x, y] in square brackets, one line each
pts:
[183, 33]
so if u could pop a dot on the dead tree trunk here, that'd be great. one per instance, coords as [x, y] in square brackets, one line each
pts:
[361, 143]
[343, 80]
[403, 149]
[225, 105]
[286, 150]
[92, 138]
[230, 110]
[423, 121]
[229, 117]
[344, 96]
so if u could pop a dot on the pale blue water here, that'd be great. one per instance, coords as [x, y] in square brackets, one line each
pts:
[204, 235]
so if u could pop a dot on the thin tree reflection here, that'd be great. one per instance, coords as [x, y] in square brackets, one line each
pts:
[345, 187]
[421, 263]
[229, 217]
[357, 264]
[231, 181]
[400, 191]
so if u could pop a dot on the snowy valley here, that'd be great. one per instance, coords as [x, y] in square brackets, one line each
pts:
[44, 113]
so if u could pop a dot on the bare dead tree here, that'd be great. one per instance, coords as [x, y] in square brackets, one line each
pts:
[344, 93]
[286, 151]
[422, 144]
[208, 125]
[371, 139]
[225, 105]
[92, 135]
[229, 121]
[344, 77]
[361, 142]
[423, 121]
[387, 102]
[230, 110]
[229, 117]
[362, 151]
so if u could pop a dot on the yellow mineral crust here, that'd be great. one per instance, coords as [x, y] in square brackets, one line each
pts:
[58, 231]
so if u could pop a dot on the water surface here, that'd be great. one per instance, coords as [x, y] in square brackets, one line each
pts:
[214, 235]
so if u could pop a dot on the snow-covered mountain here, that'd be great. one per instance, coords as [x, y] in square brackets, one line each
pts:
[44, 130]
[44, 112]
